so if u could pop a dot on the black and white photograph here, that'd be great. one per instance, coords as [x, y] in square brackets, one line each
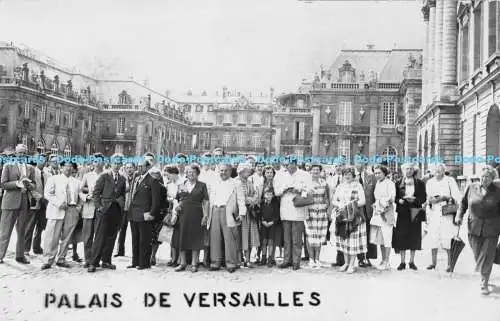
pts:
[250, 159]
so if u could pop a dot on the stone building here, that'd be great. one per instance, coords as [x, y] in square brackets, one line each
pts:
[459, 114]
[52, 108]
[364, 103]
[239, 123]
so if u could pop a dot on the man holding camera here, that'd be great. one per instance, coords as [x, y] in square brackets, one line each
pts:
[16, 182]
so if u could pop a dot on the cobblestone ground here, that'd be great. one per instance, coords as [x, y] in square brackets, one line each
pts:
[368, 294]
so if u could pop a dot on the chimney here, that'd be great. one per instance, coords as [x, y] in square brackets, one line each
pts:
[167, 93]
[189, 92]
[204, 93]
[370, 46]
[271, 93]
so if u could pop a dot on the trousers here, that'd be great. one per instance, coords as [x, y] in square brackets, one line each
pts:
[293, 234]
[19, 218]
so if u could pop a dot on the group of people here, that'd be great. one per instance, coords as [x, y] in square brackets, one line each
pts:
[238, 214]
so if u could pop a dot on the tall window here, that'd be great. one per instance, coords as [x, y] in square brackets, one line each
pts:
[241, 118]
[241, 139]
[493, 28]
[392, 163]
[27, 110]
[206, 141]
[54, 149]
[344, 149]
[67, 151]
[347, 76]
[228, 118]
[220, 119]
[345, 113]
[388, 114]
[256, 141]
[478, 34]
[43, 116]
[121, 126]
[226, 140]
[297, 130]
[257, 118]
[465, 53]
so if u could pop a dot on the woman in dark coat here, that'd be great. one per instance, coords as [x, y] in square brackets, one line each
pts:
[407, 235]
[482, 202]
[193, 214]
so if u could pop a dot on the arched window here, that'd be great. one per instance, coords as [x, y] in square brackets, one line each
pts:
[67, 151]
[54, 149]
[40, 146]
[390, 155]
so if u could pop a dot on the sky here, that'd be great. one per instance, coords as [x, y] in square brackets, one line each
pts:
[199, 45]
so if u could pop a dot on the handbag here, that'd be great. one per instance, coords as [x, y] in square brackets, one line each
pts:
[451, 208]
[299, 201]
[163, 236]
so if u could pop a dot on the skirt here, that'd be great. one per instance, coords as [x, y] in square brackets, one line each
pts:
[439, 230]
[381, 235]
[356, 243]
[316, 227]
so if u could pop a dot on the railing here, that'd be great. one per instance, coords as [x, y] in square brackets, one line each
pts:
[300, 142]
[245, 149]
[283, 109]
[118, 137]
[121, 106]
[356, 86]
[353, 129]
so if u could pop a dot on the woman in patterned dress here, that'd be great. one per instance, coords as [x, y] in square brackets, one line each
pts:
[317, 222]
[250, 237]
[349, 191]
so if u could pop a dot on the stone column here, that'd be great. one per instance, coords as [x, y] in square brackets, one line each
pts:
[450, 64]
[277, 141]
[471, 42]
[426, 54]
[139, 139]
[438, 50]
[498, 26]
[315, 129]
[372, 144]
[485, 26]
[432, 43]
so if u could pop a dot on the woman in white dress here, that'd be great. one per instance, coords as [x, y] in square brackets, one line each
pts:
[384, 214]
[440, 228]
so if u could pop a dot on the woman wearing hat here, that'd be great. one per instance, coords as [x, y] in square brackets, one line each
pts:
[410, 195]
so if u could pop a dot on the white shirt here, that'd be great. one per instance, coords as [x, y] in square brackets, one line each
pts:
[221, 192]
[89, 180]
[300, 180]
[56, 192]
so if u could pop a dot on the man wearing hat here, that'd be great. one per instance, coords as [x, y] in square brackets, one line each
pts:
[109, 200]
[17, 181]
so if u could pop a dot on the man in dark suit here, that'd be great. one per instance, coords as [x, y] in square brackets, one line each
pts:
[368, 181]
[144, 208]
[17, 183]
[109, 200]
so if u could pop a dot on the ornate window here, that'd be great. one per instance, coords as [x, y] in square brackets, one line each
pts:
[347, 73]
[121, 126]
[388, 114]
[344, 149]
[54, 149]
[199, 108]
[390, 155]
[40, 146]
[345, 113]
[67, 151]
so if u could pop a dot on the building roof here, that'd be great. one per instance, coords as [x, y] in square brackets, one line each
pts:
[387, 64]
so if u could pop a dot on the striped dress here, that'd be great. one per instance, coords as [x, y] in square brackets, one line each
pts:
[249, 228]
[317, 222]
[356, 243]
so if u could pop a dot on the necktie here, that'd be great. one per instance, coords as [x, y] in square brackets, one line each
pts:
[361, 179]
[42, 178]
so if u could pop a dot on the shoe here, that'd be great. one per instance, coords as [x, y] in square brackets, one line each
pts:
[262, 262]
[141, 268]
[170, 263]
[296, 267]
[431, 267]
[214, 268]
[1, 261]
[86, 265]
[312, 264]
[306, 258]
[368, 263]
[351, 270]
[91, 269]
[402, 266]
[485, 290]
[343, 268]
[250, 265]
[413, 266]
[180, 268]
[271, 263]
[153, 261]
[362, 264]
[77, 259]
[108, 266]
[284, 265]
[22, 260]
[317, 265]
[63, 265]
[131, 266]
[449, 270]
[119, 254]
[38, 251]
[383, 266]
[337, 264]
[231, 270]
[46, 266]
[194, 269]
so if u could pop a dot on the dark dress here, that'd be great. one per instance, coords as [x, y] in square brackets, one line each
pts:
[190, 231]
[407, 234]
[271, 213]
